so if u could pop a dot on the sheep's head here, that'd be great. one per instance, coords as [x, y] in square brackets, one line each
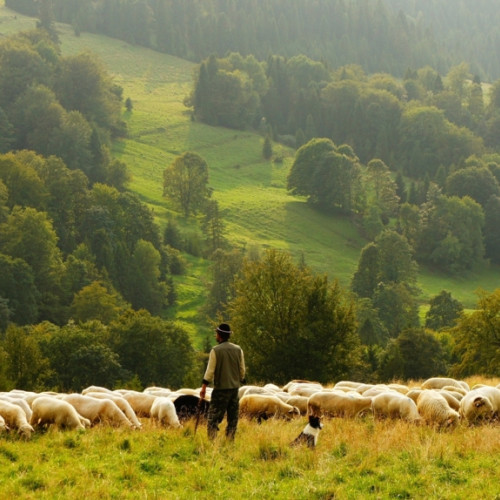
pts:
[26, 430]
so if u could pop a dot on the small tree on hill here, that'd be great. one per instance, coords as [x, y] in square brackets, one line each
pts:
[185, 182]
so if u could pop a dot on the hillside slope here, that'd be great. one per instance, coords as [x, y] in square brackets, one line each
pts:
[251, 192]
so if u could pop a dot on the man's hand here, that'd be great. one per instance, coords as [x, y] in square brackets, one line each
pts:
[203, 391]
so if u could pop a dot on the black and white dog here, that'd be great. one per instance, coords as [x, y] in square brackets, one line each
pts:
[310, 433]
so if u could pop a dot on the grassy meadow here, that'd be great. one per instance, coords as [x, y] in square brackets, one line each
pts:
[354, 459]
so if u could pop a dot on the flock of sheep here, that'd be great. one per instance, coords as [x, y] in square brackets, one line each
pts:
[439, 401]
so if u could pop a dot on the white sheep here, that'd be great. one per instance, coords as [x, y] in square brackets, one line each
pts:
[19, 401]
[347, 384]
[253, 389]
[376, 390]
[263, 406]
[363, 388]
[163, 410]
[121, 402]
[50, 410]
[440, 382]
[98, 410]
[15, 418]
[139, 401]
[3, 425]
[273, 388]
[403, 389]
[460, 391]
[96, 388]
[450, 398]
[338, 404]
[435, 410]
[299, 402]
[158, 391]
[302, 387]
[479, 404]
[414, 393]
[393, 404]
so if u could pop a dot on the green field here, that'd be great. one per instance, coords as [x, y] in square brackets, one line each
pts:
[354, 459]
[251, 192]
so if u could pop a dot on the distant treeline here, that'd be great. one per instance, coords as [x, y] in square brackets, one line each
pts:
[379, 35]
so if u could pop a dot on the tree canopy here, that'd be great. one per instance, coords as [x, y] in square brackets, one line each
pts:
[291, 323]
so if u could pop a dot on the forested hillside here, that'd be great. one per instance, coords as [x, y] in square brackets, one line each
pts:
[409, 165]
[379, 35]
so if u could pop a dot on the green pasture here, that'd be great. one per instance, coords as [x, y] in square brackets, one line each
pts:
[251, 191]
[354, 459]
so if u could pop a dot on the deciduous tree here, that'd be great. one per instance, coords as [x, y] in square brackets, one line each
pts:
[185, 182]
[291, 323]
[477, 338]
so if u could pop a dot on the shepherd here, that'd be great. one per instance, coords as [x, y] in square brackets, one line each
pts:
[226, 370]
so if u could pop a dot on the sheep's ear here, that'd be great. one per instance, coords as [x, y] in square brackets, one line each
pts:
[479, 401]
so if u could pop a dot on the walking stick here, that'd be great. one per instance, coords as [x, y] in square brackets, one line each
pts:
[198, 415]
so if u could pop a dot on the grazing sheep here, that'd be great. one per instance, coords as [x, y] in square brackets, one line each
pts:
[299, 402]
[493, 394]
[22, 403]
[273, 388]
[479, 404]
[96, 388]
[255, 389]
[435, 410]
[363, 388]
[440, 382]
[98, 410]
[347, 384]
[403, 389]
[158, 391]
[15, 418]
[414, 393]
[302, 387]
[459, 390]
[49, 410]
[395, 405]
[121, 402]
[338, 404]
[456, 394]
[305, 390]
[163, 410]
[3, 425]
[284, 396]
[140, 402]
[450, 399]
[376, 390]
[262, 407]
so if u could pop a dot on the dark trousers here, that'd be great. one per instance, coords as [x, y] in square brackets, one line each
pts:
[222, 401]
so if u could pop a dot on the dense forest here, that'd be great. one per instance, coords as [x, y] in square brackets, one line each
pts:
[379, 35]
[408, 152]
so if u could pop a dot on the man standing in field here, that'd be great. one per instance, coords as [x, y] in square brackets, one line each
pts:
[226, 369]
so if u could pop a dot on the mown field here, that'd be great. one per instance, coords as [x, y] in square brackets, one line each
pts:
[354, 459]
